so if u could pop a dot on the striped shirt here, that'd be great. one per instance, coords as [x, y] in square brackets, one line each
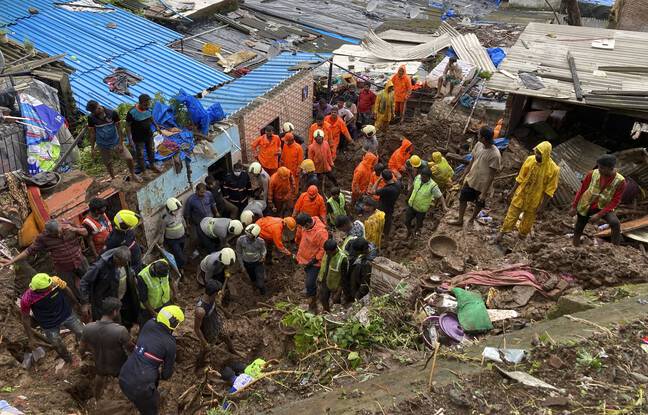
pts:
[64, 251]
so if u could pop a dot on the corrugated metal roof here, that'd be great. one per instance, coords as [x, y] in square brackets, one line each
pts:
[547, 55]
[93, 50]
[241, 92]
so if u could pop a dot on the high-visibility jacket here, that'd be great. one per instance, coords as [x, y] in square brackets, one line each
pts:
[334, 269]
[337, 205]
[159, 289]
[423, 195]
[595, 194]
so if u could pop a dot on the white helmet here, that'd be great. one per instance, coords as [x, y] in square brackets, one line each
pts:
[255, 168]
[318, 133]
[173, 204]
[235, 227]
[288, 127]
[247, 217]
[369, 129]
[253, 230]
[227, 256]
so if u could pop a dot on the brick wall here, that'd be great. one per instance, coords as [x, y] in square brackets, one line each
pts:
[630, 15]
[284, 102]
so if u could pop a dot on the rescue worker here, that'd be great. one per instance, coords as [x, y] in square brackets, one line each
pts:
[402, 90]
[362, 176]
[259, 181]
[98, 225]
[281, 191]
[289, 131]
[424, 195]
[336, 205]
[199, 206]
[311, 203]
[308, 176]
[479, 175]
[50, 300]
[388, 196]
[598, 197]
[251, 253]
[334, 269]
[237, 186]
[109, 342]
[216, 266]
[173, 231]
[218, 232]
[352, 231]
[310, 253]
[338, 129]
[123, 234]
[413, 167]
[106, 277]
[383, 108]
[319, 124]
[208, 320]
[256, 207]
[292, 154]
[375, 222]
[357, 284]
[320, 153]
[397, 161]
[442, 172]
[535, 184]
[268, 148]
[273, 231]
[61, 241]
[155, 289]
[452, 74]
[370, 143]
[153, 359]
[225, 208]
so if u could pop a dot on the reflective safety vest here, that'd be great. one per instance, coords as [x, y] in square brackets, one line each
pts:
[99, 232]
[337, 206]
[333, 269]
[159, 289]
[174, 226]
[595, 194]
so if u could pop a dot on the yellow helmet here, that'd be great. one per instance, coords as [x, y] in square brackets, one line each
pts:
[415, 161]
[40, 281]
[307, 165]
[126, 219]
[171, 316]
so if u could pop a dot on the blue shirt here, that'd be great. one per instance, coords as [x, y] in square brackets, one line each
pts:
[198, 208]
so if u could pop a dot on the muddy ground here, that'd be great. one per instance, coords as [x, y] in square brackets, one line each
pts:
[605, 375]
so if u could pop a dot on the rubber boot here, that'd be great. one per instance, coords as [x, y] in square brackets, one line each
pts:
[312, 306]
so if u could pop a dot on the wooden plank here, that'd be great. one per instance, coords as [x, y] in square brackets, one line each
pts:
[577, 85]
[31, 65]
[626, 227]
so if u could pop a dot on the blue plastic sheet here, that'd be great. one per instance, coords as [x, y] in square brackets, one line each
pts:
[497, 55]
[164, 116]
[216, 113]
[200, 116]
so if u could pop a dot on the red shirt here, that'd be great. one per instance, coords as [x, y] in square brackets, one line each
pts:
[366, 101]
[603, 183]
[65, 252]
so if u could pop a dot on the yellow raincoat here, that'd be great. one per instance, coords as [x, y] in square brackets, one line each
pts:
[374, 226]
[384, 107]
[535, 180]
[441, 171]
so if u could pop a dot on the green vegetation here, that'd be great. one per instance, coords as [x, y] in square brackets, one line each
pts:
[587, 360]
[384, 326]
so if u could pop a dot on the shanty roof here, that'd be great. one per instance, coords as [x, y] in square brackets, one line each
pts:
[606, 75]
[238, 94]
[97, 41]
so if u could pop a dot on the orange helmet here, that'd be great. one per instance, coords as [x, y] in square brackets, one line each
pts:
[290, 222]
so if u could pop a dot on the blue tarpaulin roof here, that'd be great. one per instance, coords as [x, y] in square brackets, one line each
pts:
[241, 92]
[94, 50]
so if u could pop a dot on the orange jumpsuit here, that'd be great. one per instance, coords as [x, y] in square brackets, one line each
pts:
[272, 232]
[337, 128]
[321, 156]
[400, 156]
[281, 189]
[362, 176]
[311, 243]
[314, 127]
[291, 157]
[402, 89]
[268, 152]
[311, 203]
